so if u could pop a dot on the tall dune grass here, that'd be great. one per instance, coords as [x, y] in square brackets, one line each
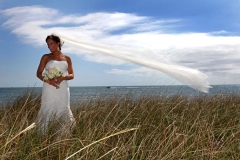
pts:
[147, 128]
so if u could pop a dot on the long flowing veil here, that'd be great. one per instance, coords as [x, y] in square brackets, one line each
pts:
[188, 76]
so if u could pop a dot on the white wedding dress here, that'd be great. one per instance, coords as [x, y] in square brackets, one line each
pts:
[55, 104]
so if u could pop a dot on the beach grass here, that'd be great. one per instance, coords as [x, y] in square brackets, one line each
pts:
[146, 128]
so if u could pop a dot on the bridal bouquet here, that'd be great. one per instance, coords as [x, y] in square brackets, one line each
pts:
[51, 74]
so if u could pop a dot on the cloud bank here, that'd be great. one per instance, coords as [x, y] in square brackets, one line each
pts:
[213, 53]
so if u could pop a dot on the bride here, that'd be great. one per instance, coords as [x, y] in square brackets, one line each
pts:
[55, 103]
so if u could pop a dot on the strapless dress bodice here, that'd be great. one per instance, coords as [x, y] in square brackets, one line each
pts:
[61, 65]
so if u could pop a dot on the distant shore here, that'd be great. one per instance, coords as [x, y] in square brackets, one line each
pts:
[93, 92]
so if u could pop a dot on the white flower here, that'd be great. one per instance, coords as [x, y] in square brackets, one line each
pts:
[52, 73]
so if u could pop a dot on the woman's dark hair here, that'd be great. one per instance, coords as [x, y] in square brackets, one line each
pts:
[55, 39]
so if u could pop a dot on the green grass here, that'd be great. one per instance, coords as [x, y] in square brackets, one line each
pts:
[147, 128]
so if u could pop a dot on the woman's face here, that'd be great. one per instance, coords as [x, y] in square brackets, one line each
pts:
[52, 45]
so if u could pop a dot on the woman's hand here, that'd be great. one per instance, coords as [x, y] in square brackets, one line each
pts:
[58, 80]
[53, 82]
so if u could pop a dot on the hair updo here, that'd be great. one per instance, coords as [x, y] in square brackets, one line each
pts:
[55, 39]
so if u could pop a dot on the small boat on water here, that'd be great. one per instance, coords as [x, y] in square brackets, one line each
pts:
[108, 87]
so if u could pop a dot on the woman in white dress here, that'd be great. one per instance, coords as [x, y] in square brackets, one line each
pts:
[55, 103]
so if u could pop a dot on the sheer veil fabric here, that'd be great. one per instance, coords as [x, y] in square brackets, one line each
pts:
[188, 76]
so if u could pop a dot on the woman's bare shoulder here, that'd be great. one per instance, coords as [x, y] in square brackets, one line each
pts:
[46, 55]
[67, 57]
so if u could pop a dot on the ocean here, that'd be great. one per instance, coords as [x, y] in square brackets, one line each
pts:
[89, 93]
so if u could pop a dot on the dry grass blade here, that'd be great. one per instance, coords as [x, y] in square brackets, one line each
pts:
[107, 153]
[121, 132]
[25, 130]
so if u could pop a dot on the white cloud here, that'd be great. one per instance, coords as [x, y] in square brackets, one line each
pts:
[212, 52]
[141, 71]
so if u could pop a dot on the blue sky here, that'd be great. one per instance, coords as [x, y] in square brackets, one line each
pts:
[203, 35]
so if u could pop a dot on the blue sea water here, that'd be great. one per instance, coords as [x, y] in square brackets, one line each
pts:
[88, 93]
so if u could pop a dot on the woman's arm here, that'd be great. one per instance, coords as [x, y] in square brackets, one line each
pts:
[70, 71]
[40, 69]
